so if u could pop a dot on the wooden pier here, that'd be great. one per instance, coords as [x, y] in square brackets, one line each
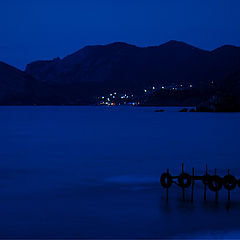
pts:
[212, 182]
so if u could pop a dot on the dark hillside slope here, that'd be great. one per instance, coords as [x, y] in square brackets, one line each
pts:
[16, 87]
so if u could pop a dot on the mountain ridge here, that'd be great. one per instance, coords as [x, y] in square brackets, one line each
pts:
[107, 62]
[80, 77]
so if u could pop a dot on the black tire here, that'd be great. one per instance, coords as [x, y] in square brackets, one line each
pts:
[229, 182]
[166, 180]
[184, 180]
[215, 183]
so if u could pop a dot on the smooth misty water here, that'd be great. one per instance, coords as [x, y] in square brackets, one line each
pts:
[94, 172]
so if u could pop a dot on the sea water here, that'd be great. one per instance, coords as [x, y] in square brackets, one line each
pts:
[93, 172]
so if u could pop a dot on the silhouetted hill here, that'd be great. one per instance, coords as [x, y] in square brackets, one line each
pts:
[95, 70]
[16, 86]
[120, 66]
[231, 86]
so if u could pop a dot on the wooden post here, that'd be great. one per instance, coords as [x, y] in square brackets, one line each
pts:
[205, 186]
[216, 197]
[229, 190]
[167, 187]
[183, 191]
[192, 184]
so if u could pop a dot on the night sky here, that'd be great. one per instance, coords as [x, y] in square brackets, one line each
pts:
[44, 29]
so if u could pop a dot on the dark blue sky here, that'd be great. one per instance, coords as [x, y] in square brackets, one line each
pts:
[43, 29]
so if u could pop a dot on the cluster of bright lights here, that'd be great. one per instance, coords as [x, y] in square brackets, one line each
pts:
[115, 98]
[107, 103]
[170, 87]
[112, 99]
[153, 88]
[124, 96]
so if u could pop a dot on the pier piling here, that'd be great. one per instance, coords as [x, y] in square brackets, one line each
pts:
[214, 182]
[192, 185]
[205, 186]
[229, 198]
[183, 190]
[167, 187]
[216, 196]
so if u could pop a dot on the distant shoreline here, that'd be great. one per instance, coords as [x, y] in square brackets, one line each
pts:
[157, 109]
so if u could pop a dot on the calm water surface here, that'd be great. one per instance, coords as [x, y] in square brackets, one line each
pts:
[87, 172]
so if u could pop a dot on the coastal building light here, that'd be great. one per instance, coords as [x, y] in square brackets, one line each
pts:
[108, 99]
[115, 93]
[110, 94]
[103, 97]
[153, 88]
[191, 86]
[145, 90]
[162, 87]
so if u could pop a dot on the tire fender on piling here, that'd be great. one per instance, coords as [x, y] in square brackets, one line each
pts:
[166, 180]
[229, 182]
[215, 183]
[184, 180]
